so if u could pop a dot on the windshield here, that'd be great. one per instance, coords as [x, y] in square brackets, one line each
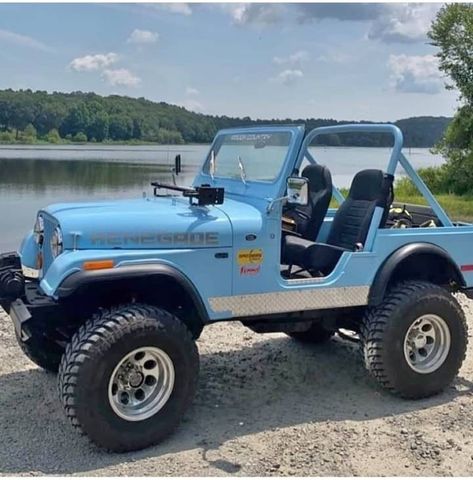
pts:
[248, 156]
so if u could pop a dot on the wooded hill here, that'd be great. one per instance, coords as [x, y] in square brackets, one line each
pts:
[29, 116]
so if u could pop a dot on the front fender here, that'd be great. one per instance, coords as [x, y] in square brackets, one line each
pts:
[76, 282]
[29, 251]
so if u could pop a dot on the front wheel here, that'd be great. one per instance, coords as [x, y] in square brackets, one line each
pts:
[41, 351]
[414, 343]
[128, 376]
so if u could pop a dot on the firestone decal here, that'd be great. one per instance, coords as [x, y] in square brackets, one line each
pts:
[249, 261]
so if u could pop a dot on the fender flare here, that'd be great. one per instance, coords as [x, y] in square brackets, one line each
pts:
[75, 282]
[386, 270]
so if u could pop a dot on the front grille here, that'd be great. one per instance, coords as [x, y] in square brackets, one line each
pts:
[50, 225]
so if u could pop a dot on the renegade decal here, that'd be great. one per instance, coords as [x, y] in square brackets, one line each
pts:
[147, 238]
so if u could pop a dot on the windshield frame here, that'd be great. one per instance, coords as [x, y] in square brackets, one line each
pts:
[245, 131]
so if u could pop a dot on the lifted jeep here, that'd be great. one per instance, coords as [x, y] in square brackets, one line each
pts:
[113, 295]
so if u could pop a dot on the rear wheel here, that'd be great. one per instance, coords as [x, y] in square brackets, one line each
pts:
[315, 334]
[414, 343]
[128, 376]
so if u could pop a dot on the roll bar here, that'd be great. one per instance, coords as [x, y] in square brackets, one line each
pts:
[396, 157]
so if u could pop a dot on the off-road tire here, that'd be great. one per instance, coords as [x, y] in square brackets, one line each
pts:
[384, 329]
[316, 334]
[91, 357]
[41, 351]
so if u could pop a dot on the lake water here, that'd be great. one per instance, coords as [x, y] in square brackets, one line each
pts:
[32, 177]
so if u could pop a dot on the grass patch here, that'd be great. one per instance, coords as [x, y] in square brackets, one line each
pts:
[457, 207]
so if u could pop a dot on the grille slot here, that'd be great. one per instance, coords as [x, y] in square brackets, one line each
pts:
[50, 225]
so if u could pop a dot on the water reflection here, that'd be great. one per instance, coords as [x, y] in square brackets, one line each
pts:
[39, 176]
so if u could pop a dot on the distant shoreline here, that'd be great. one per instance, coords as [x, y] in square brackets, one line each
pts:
[21, 145]
[108, 143]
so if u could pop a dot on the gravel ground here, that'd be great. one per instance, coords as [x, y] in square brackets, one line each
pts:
[265, 406]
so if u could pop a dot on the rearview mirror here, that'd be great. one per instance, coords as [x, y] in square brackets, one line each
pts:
[297, 191]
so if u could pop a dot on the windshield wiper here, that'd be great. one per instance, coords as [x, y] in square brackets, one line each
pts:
[212, 165]
[242, 169]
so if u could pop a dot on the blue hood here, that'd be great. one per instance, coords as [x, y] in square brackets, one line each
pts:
[148, 223]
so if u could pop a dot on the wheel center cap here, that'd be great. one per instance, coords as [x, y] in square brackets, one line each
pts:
[135, 379]
[420, 341]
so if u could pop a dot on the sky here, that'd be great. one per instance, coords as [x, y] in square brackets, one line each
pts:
[341, 61]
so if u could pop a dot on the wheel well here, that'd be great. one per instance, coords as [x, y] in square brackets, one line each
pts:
[416, 262]
[426, 266]
[162, 291]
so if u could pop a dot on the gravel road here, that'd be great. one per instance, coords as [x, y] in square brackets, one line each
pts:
[265, 406]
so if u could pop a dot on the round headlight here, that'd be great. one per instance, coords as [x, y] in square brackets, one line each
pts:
[38, 230]
[56, 242]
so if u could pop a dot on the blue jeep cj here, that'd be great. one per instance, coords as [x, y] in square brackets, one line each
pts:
[114, 294]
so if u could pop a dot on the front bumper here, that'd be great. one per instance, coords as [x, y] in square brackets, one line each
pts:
[29, 309]
[12, 280]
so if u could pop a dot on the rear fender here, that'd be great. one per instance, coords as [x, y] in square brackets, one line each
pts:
[419, 261]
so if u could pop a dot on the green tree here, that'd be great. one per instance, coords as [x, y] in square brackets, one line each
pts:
[77, 121]
[452, 33]
[99, 126]
[7, 137]
[53, 136]
[80, 137]
[23, 112]
[121, 127]
[49, 116]
[29, 134]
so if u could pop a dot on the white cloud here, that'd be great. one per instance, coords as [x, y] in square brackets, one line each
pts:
[141, 37]
[386, 22]
[288, 77]
[179, 8]
[90, 63]
[259, 13]
[192, 91]
[415, 74]
[22, 40]
[295, 59]
[101, 62]
[356, 12]
[403, 23]
[333, 56]
[121, 77]
[193, 105]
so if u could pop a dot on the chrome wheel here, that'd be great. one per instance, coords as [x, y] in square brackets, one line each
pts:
[141, 383]
[427, 343]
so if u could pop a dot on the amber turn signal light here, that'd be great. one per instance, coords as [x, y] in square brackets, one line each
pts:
[98, 264]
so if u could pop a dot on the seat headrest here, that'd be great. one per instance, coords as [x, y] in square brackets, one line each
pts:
[319, 177]
[371, 185]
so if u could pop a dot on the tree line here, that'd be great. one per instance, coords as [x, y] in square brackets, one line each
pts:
[29, 116]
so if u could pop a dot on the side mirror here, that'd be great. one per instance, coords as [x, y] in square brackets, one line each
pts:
[297, 191]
